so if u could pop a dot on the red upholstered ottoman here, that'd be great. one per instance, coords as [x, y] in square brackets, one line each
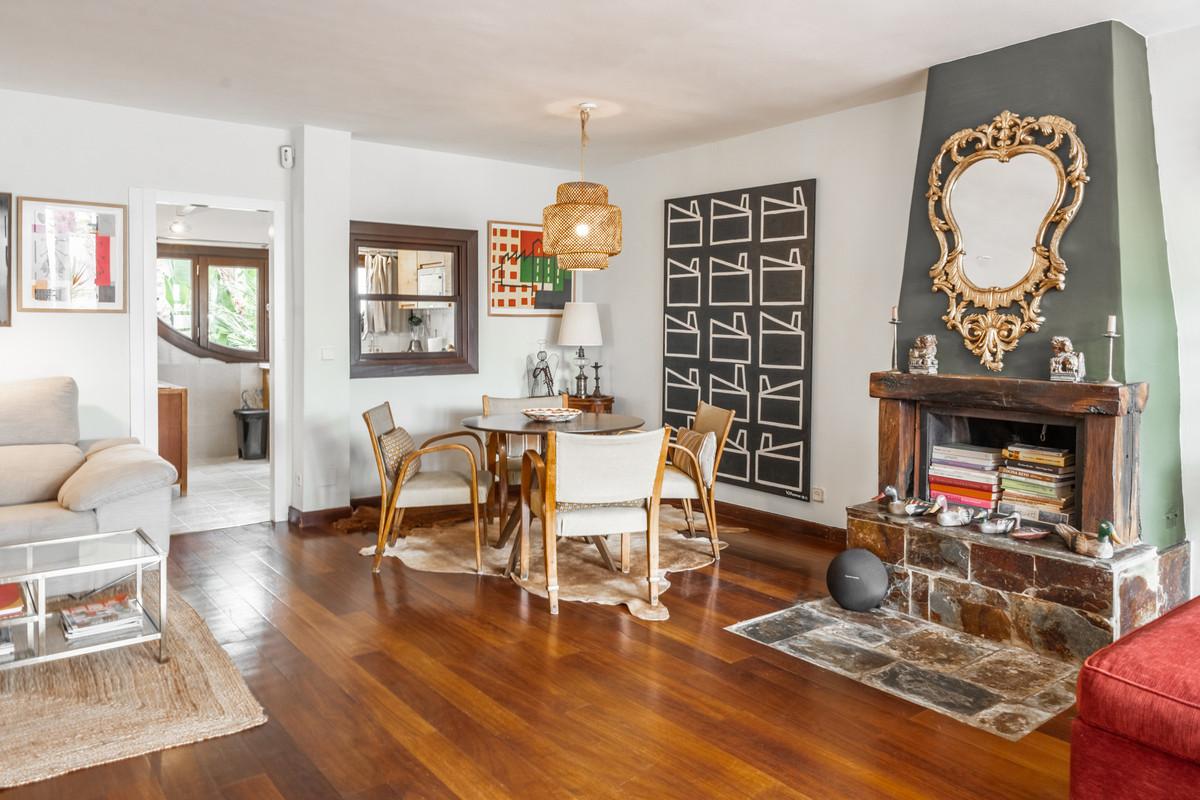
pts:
[1137, 734]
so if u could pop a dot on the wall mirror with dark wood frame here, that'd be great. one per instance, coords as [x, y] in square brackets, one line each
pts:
[413, 300]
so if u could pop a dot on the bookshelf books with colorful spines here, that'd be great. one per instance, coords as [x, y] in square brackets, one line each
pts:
[966, 474]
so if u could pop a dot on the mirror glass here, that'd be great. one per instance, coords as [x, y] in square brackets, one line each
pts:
[999, 207]
[388, 270]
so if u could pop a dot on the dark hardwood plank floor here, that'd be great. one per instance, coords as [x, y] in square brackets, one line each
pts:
[413, 684]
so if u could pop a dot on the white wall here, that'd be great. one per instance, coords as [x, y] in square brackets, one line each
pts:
[420, 187]
[71, 149]
[1175, 93]
[864, 161]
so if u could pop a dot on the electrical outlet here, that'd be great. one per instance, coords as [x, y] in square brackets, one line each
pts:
[817, 494]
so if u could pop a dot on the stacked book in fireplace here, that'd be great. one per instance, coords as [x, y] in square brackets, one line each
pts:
[966, 474]
[1038, 483]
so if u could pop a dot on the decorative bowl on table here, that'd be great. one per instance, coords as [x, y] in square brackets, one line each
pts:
[552, 414]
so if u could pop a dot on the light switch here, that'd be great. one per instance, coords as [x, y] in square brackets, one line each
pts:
[327, 353]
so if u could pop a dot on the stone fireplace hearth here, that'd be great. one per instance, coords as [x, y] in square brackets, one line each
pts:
[1033, 594]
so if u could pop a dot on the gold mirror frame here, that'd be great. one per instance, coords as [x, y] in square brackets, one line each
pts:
[989, 333]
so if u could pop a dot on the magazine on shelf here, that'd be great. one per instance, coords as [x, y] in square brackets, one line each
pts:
[6, 643]
[102, 616]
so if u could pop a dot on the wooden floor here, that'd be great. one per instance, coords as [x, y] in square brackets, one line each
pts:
[413, 684]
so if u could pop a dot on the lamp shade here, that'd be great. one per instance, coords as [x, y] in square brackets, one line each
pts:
[580, 326]
[581, 228]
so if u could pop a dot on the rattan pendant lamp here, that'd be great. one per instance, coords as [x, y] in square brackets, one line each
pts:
[581, 228]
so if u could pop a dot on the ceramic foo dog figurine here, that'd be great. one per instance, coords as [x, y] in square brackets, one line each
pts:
[1065, 363]
[922, 356]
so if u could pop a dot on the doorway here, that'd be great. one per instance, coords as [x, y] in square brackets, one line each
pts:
[209, 379]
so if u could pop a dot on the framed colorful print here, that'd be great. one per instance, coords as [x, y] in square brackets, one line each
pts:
[522, 280]
[72, 255]
[5, 260]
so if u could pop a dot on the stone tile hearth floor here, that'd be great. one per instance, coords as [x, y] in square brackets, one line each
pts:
[998, 688]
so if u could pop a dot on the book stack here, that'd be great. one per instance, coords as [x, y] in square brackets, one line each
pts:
[117, 613]
[1038, 482]
[12, 600]
[966, 474]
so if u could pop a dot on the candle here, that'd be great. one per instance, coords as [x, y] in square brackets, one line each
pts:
[895, 313]
[1112, 324]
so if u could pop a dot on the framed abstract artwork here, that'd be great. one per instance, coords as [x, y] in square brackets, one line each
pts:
[72, 256]
[522, 280]
[5, 260]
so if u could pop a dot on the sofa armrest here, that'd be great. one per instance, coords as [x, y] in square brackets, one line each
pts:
[113, 474]
[91, 447]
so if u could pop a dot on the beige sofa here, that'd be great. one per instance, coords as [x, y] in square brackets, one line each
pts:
[53, 485]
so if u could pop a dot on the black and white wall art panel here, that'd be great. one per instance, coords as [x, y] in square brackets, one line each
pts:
[737, 326]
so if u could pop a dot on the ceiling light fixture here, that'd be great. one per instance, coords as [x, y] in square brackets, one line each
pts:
[581, 228]
[178, 226]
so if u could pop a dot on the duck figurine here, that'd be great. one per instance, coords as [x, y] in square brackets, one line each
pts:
[1098, 545]
[895, 504]
[955, 517]
[1000, 525]
[915, 507]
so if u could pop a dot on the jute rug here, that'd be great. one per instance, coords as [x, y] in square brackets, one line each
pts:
[93, 709]
[582, 574]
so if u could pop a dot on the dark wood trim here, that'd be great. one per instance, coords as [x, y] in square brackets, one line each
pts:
[6, 259]
[766, 520]
[463, 244]
[318, 517]
[202, 258]
[1013, 394]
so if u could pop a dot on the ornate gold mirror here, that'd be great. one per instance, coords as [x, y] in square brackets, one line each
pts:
[1010, 190]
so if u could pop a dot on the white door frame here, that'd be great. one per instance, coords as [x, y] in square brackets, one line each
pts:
[143, 325]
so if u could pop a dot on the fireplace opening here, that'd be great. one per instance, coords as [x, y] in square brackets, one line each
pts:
[1001, 429]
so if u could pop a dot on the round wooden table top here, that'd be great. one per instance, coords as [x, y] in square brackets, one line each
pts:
[518, 424]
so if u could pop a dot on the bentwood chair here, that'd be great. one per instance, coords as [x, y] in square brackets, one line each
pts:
[506, 449]
[403, 483]
[693, 469]
[591, 486]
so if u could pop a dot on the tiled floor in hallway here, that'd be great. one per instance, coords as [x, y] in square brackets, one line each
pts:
[223, 493]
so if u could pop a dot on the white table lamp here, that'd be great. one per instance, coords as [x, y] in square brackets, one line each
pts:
[580, 328]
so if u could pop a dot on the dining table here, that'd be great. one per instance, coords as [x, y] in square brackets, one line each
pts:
[503, 425]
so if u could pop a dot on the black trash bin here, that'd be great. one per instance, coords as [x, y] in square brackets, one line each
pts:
[254, 433]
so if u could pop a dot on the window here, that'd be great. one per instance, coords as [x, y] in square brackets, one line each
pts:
[413, 300]
[212, 301]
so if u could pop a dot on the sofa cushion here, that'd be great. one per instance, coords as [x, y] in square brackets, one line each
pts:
[1141, 686]
[35, 522]
[114, 474]
[34, 472]
[39, 411]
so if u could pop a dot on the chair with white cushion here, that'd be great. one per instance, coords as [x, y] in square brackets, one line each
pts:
[589, 487]
[404, 484]
[695, 456]
[507, 448]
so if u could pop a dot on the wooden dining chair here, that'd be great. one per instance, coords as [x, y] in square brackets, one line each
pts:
[692, 473]
[589, 487]
[507, 449]
[403, 483]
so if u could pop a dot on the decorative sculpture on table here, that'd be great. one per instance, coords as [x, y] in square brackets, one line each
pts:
[542, 368]
[1065, 364]
[922, 356]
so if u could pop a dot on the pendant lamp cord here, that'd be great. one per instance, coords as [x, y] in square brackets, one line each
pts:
[583, 137]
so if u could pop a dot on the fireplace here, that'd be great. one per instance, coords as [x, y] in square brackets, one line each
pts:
[1038, 594]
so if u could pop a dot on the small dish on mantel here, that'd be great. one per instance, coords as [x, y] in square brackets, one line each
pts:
[552, 414]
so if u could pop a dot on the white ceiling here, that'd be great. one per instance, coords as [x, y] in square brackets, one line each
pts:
[496, 78]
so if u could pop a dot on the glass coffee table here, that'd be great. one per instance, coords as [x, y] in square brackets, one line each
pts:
[42, 569]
